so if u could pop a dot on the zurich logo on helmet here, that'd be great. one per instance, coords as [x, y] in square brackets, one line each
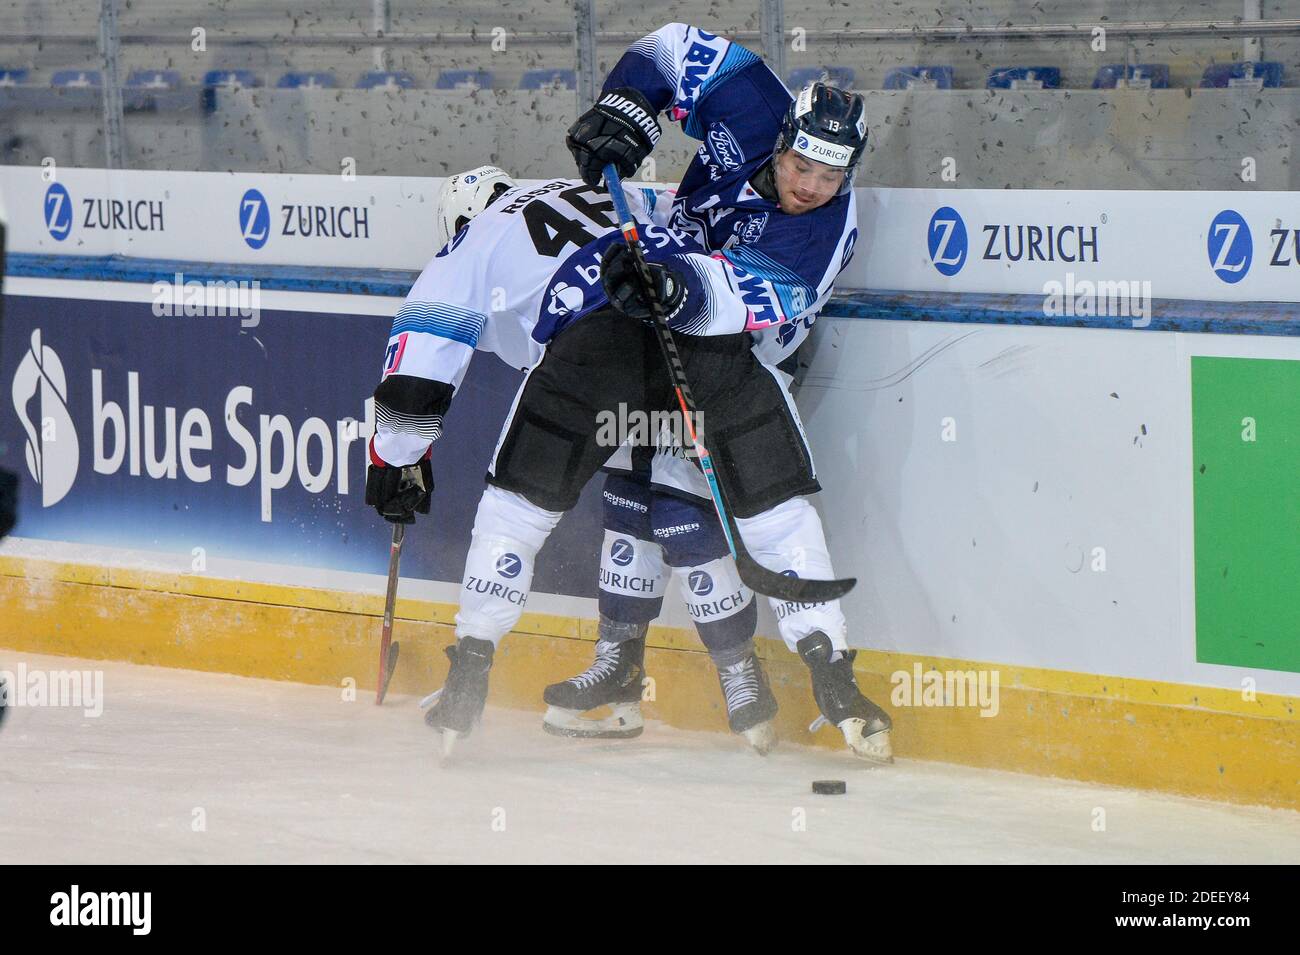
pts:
[621, 552]
[509, 565]
[58, 211]
[701, 583]
[802, 142]
[254, 219]
[1229, 246]
[947, 242]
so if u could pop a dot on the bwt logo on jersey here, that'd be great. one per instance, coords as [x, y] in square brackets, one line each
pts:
[700, 582]
[758, 297]
[393, 356]
[300, 221]
[508, 566]
[946, 238]
[722, 144]
[702, 57]
[109, 215]
[621, 552]
[1230, 246]
[52, 451]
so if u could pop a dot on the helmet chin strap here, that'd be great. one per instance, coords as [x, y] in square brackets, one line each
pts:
[764, 181]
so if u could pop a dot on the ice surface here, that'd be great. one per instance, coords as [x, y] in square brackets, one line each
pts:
[281, 772]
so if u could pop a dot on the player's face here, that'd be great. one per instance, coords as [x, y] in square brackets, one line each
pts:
[803, 184]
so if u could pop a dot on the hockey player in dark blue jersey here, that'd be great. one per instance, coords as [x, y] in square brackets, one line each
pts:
[746, 252]
[769, 193]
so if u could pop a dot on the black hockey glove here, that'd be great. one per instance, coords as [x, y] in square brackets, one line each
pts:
[398, 494]
[626, 291]
[621, 129]
[8, 501]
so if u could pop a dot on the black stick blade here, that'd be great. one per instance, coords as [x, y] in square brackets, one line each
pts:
[805, 591]
[389, 666]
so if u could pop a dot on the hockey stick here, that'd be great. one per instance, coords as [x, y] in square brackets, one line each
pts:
[387, 648]
[757, 577]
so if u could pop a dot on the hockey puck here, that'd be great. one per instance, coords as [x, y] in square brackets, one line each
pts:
[829, 787]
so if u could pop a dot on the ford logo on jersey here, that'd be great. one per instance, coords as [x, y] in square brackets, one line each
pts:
[509, 565]
[753, 229]
[946, 238]
[58, 211]
[254, 219]
[701, 583]
[1230, 246]
[724, 147]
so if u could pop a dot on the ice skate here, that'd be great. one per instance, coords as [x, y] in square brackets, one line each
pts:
[459, 704]
[865, 725]
[614, 680]
[750, 703]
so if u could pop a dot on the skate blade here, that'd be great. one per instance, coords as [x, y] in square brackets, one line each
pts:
[449, 738]
[762, 737]
[874, 747]
[624, 722]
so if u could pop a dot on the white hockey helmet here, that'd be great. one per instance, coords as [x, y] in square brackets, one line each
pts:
[465, 195]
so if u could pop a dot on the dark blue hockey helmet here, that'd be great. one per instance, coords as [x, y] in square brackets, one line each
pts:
[827, 125]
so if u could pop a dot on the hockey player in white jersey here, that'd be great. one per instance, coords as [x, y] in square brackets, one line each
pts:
[759, 236]
[658, 521]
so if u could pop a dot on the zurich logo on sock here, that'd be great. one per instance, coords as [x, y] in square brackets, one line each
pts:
[509, 565]
[621, 552]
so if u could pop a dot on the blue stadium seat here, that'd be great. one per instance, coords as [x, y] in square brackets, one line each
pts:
[841, 76]
[1153, 75]
[906, 77]
[1242, 74]
[76, 78]
[460, 79]
[230, 78]
[1025, 77]
[153, 80]
[13, 77]
[536, 79]
[309, 81]
[380, 80]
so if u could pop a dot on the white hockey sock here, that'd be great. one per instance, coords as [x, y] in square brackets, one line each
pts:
[508, 532]
[789, 537]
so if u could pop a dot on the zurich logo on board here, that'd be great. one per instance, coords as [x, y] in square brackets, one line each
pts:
[1229, 246]
[254, 219]
[58, 211]
[946, 239]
